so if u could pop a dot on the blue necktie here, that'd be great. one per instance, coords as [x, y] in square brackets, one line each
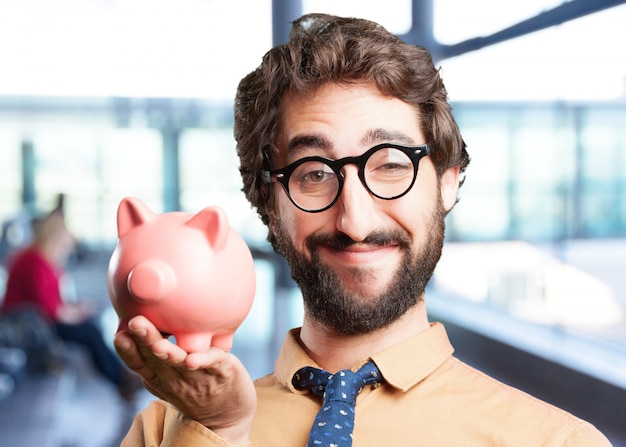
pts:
[334, 423]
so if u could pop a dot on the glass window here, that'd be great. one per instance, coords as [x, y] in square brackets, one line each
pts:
[95, 168]
[603, 173]
[10, 173]
[130, 164]
[209, 168]
[483, 211]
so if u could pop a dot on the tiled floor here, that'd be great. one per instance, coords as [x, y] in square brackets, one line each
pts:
[74, 408]
[26, 416]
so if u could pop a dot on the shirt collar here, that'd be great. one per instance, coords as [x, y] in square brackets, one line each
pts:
[402, 365]
[412, 360]
[291, 358]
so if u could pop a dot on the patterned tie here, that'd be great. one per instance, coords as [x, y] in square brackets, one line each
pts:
[334, 423]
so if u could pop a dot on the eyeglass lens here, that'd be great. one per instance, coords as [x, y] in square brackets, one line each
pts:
[387, 173]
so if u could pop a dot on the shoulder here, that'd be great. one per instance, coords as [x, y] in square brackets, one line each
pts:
[508, 411]
[29, 258]
[491, 394]
[265, 381]
[268, 385]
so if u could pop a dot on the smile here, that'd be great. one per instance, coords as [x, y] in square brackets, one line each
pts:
[358, 254]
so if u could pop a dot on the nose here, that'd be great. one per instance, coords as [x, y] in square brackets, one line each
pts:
[357, 213]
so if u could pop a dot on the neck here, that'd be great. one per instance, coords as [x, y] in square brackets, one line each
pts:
[48, 251]
[334, 352]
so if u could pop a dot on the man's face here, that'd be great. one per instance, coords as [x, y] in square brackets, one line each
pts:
[365, 261]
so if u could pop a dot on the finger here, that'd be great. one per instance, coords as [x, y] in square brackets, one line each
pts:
[129, 353]
[127, 350]
[152, 339]
[213, 360]
[169, 352]
[153, 345]
[144, 331]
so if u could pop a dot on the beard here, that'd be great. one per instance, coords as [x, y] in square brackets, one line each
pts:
[328, 303]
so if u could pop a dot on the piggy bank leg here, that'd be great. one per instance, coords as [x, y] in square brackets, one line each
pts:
[223, 340]
[194, 342]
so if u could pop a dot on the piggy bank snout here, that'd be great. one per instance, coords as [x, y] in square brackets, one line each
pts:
[151, 280]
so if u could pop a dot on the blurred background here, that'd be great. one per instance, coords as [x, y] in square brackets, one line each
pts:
[102, 99]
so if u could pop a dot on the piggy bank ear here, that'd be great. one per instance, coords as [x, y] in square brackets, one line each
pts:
[213, 222]
[131, 213]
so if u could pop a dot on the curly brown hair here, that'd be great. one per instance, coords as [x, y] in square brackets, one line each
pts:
[328, 49]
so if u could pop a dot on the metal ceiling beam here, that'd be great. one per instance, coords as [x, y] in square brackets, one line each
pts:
[565, 12]
[283, 13]
[422, 32]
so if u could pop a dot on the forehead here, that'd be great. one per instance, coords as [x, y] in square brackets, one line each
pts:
[340, 118]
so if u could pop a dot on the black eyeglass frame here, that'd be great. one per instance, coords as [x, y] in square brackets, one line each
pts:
[282, 175]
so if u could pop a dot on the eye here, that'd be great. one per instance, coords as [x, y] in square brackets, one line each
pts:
[389, 163]
[315, 176]
[313, 173]
[391, 168]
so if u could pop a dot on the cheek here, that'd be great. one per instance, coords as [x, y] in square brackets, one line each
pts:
[298, 225]
[414, 212]
[292, 220]
[415, 220]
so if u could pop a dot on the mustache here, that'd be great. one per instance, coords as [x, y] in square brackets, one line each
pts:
[341, 241]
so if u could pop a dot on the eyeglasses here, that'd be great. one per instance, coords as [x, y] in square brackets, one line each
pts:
[313, 184]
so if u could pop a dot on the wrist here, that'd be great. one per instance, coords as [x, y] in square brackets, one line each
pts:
[235, 435]
[234, 439]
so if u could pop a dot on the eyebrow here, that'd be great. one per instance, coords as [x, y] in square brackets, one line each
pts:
[379, 135]
[371, 138]
[301, 142]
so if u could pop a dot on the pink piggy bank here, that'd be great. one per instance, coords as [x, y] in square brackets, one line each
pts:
[191, 275]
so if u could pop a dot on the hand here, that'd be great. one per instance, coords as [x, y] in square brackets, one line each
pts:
[210, 387]
[75, 313]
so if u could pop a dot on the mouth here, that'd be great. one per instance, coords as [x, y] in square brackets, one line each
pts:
[375, 248]
[341, 241]
[358, 254]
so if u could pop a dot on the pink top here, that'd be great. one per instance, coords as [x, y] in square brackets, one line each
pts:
[32, 282]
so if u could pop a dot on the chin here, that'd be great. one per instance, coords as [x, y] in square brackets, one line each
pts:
[364, 291]
[367, 281]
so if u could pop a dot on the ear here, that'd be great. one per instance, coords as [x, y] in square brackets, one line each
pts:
[449, 184]
[213, 222]
[131, 213]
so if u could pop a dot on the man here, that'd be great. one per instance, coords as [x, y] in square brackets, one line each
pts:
[352, 158]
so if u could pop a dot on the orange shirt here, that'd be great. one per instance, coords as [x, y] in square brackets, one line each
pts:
[430, 399]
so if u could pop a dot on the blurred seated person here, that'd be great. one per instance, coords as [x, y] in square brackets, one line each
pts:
[34, 284]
